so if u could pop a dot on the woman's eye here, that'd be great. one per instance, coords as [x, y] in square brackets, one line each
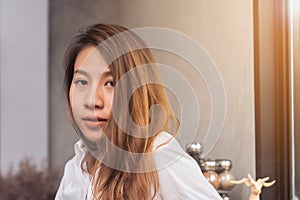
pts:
[81, 82]
[109, 83]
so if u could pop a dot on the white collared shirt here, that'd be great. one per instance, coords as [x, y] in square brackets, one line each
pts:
[179, 174]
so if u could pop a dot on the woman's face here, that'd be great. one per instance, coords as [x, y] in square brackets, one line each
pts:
[91, 92]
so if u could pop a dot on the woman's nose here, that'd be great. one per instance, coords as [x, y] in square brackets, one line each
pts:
[95, 99]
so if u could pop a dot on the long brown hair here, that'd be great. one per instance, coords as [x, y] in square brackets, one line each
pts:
[109, 182]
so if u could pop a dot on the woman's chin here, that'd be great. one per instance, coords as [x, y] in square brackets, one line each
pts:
[93, 135]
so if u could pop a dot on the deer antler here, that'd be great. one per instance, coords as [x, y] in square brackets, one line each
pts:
[250, 181]
[256, 186]
[239, 181]
[269, 184]
[264, 179]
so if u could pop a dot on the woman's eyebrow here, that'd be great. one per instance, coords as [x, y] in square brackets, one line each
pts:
[79, 71]
[106, 74]
[103, 75]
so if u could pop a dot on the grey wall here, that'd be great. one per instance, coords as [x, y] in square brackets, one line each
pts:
[24, 81]
[223, 28]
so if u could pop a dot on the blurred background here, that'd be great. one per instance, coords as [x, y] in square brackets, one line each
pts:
[254, 44]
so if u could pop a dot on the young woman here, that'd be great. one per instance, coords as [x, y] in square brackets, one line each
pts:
[120, 110]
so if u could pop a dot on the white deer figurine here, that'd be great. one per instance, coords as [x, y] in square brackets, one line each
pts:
[255, 185]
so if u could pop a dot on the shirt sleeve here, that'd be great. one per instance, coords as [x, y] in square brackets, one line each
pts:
[180, 176]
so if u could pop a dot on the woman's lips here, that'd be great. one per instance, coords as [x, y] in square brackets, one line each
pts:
[94, 122]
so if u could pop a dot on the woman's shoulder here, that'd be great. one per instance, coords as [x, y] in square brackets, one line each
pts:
[179, 174]
[162, 139]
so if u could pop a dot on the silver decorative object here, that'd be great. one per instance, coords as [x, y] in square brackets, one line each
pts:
[217, 172]
[222, 165]
[195, 150]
